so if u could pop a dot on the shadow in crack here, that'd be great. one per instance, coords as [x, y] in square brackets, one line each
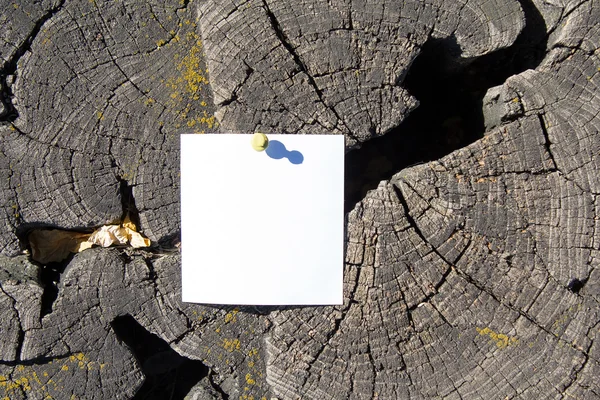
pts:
[168, 374]
[450, 91]
[50, 277]
[50, 273]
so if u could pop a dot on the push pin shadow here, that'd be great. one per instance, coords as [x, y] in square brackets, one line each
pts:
[275, 149]
[260, 141]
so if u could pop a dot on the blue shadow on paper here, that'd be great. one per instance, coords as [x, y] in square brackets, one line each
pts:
[277, 151]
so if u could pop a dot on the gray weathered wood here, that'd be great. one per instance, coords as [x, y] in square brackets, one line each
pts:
[459, 273]
[100, 95]
[334, 67]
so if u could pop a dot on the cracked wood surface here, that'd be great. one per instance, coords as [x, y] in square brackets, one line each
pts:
[458, 281]
[334, 67]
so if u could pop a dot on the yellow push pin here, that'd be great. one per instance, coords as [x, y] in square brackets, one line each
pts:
[260, 141]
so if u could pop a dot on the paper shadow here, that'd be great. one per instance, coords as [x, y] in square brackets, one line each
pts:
[277, 151]
[256, 309]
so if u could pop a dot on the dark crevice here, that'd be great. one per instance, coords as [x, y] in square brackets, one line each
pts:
[547, 141]
[10, 113]
[183, 5]
[450, 91]
[152, 276]
[35, 361]
[128, 203]
[50, 277]
[51, 272]
[168, 374]
[411, 322]
[229, 100]
[375, 368]
[575, 285]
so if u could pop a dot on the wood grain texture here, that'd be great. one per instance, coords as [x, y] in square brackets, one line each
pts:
[124, 78]
[334, 67]
[471, 276]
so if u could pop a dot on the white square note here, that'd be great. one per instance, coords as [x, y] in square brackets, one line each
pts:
[262, 228]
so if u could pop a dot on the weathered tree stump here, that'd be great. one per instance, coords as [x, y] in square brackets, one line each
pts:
[474, 275]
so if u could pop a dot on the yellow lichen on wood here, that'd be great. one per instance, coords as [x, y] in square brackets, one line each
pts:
[502, 341]
[186, 87]
[230, 316]
[231, 344]
[190, 67]
[13, 385]
[25, 377]
[190, 80]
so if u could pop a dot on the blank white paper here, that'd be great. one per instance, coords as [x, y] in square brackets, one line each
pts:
[262, 228]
